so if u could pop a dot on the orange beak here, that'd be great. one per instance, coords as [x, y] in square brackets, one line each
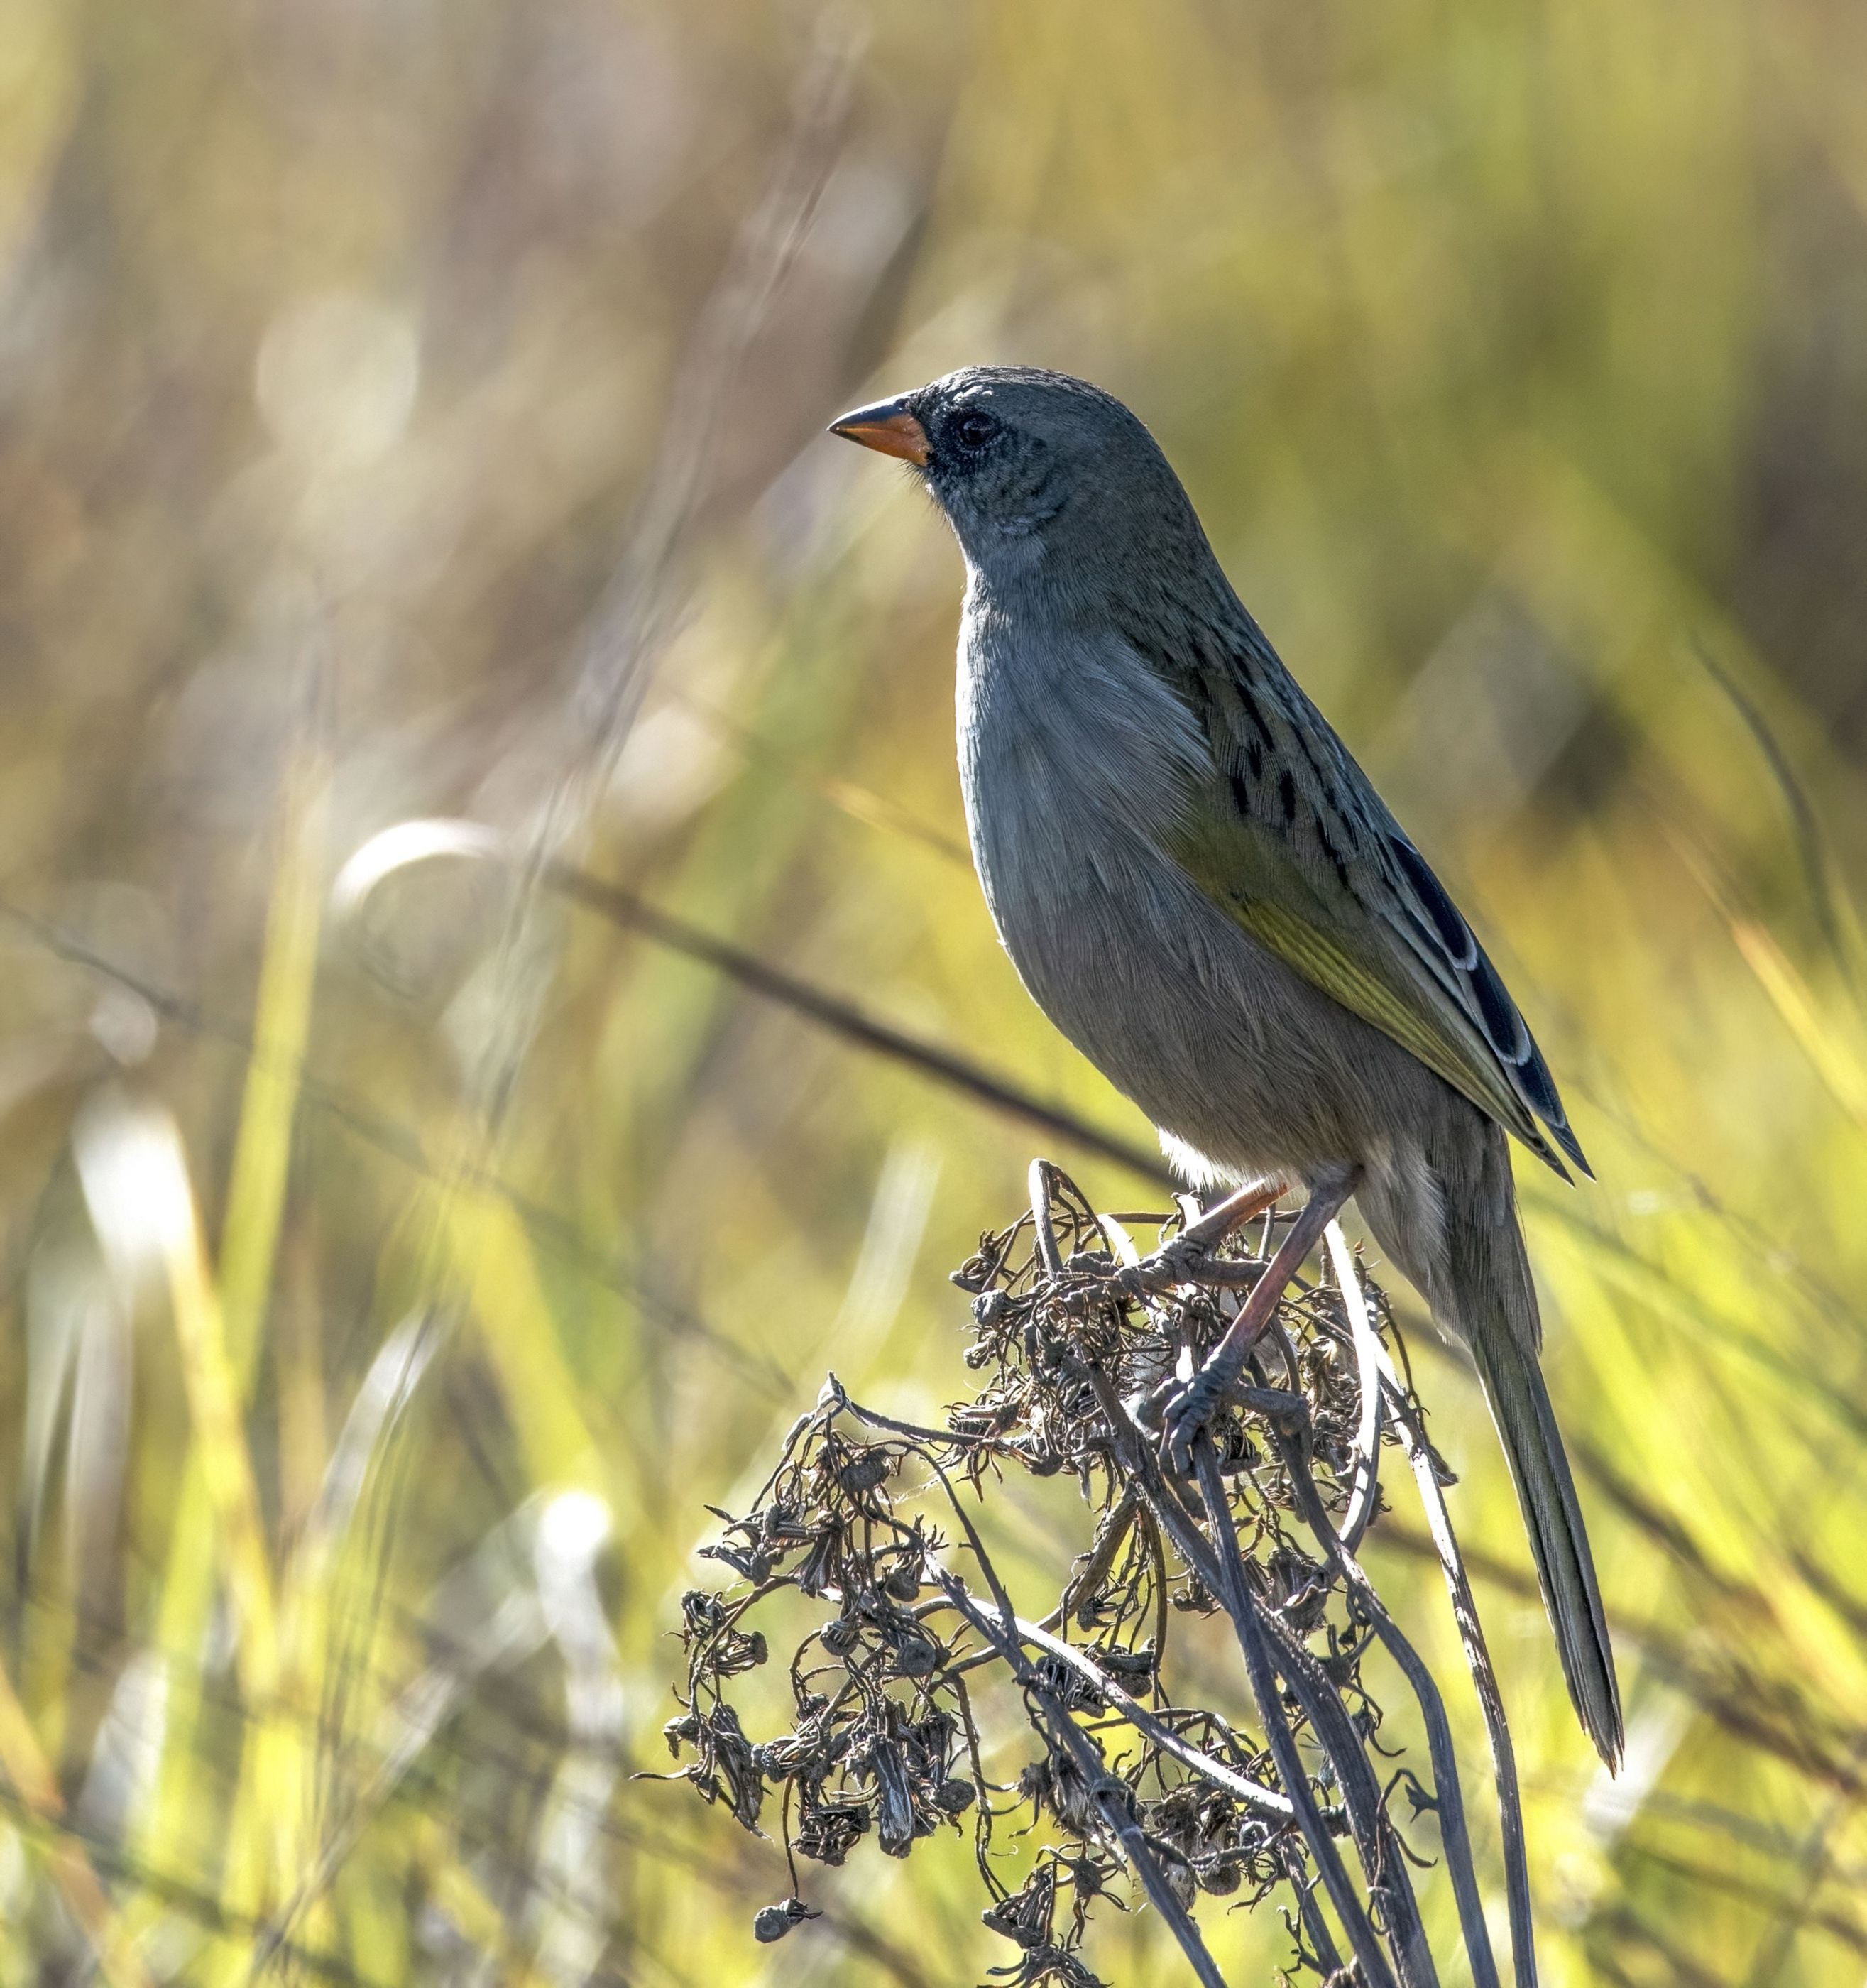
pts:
[888, 427]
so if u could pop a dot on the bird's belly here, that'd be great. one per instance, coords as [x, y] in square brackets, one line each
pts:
[1234, 1056]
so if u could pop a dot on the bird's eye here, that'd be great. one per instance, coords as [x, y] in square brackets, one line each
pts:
[974, 431]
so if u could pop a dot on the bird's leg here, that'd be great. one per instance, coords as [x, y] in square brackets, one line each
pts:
[1179, 1261]
[1238, 1208]
[1190, 1408]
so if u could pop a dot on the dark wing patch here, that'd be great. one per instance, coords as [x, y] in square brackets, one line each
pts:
[1540, 1088]
[1463, 965]
[1338, 861]
[1454, 934]
[1504, 1026]
[1285, 768]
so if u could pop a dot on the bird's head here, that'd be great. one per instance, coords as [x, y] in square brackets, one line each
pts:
[1042, 477]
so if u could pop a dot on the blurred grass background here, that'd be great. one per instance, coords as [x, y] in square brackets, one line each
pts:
[411, 411]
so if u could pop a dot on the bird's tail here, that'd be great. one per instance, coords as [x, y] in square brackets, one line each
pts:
[1495, 1305]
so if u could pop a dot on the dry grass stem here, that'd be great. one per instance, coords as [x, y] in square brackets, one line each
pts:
[920, 1700]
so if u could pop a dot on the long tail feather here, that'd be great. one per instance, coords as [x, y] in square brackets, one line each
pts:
[1558, 1540]
[1458, 1240]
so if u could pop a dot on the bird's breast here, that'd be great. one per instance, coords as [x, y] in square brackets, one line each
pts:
[1074, 760]
[1076, 757]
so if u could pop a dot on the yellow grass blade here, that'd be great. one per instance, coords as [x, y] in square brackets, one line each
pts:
[1837, 1060]
[135, 1165]
[281, 1024]
[494, 1257]
[227, 1323]
[70, 1870]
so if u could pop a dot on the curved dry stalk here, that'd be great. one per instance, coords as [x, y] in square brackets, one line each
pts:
[1261, 1668]
[1448, 1797]
[1215, 1567]
[1109, 1796]
[1484, 1678]
[863, 1509]
[1152, 1727]
[1365, 1494]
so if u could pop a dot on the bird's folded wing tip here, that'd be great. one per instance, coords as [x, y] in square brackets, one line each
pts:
[1572, 1146]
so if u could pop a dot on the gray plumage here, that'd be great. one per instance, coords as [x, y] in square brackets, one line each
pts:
[1201, 888]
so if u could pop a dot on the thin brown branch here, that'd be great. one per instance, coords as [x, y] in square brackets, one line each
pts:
[853, 1023]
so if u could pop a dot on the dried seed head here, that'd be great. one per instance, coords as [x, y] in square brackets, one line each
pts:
[772, 1923]
[917, 1656]
[865, 1471]
[883, 1738]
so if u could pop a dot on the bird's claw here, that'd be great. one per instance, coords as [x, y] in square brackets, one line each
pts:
[1175, 1262]
[1177, 1412]
[1189, 1411]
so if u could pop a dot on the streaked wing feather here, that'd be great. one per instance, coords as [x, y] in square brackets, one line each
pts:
[1293, 841]
[1248, 870]
[1431, 925]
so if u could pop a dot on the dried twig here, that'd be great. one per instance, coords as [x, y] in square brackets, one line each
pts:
[865, 1516]
[1484, 1678]
[847, 1018]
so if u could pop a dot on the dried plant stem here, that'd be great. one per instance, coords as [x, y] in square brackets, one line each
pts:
[1392, 1905]
[1151, 1726]
[1233, 1591]
[1040, 1182]
[1129, 1784]
[1180, 1525]
[1116, 1525]
[1484, 1678]
[1448, 1796]
[1110, 1796]
[1364, 1498]
[1374, 1840]
[1310, 1916]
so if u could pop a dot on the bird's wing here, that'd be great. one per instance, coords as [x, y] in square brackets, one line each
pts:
[1290, 838]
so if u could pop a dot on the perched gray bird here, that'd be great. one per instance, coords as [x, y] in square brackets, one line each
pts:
[1203, 891]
